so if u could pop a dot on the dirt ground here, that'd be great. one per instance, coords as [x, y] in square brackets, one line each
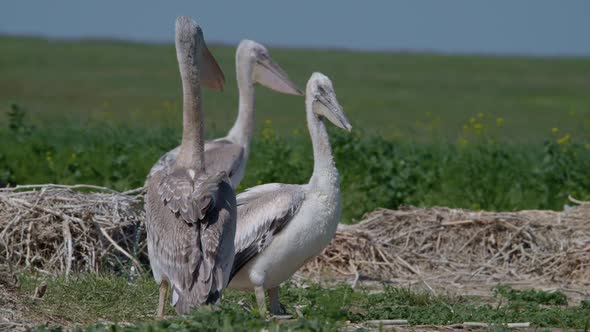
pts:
[13, 310]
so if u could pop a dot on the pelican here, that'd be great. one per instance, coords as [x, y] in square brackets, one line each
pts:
[282, 226]
[190, 215]
[230, 153]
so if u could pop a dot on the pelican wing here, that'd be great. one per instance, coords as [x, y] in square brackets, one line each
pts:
[216, 250]
[223, 155]
[165, 161]
[195, 265]
[263, 211]
[187, 196]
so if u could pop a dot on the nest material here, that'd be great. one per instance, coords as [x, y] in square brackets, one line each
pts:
[458, 245]
[61, 229]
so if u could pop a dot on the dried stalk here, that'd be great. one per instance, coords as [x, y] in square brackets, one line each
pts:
[58, 229]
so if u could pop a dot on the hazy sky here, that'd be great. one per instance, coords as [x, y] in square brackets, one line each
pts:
[542, 27]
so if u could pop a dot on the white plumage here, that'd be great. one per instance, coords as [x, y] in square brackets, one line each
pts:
[281, 226]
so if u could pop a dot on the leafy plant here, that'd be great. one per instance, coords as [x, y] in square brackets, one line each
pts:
[374, 172]
[531, 295]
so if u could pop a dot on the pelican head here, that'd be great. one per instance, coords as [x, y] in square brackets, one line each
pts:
[190, 41]
[264, 70]
[320, 92]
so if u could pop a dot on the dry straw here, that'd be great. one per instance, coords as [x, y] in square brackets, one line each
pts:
[64, 229]
[60, 229]
[458, 246]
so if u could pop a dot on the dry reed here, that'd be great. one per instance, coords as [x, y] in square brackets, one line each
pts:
[63, 229]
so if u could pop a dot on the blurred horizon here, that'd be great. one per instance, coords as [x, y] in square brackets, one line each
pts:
[528, 27]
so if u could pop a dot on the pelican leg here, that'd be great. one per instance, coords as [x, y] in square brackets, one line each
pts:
[162, 300]
[260, 300]
[276, 308]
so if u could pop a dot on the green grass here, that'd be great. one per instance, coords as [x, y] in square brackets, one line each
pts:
[86, 299]
[386, 93]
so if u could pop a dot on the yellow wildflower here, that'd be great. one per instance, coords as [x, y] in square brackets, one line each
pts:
[472, 120]
[480, 115]
[565, 139]
[499, 121]
[555, 130]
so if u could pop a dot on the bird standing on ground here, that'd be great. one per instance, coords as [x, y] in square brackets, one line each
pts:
[282, 226]
[191, 215]
[230, 153]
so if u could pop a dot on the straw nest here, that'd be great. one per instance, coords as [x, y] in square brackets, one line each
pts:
[456, 246]
[59, 229]
[64, 229]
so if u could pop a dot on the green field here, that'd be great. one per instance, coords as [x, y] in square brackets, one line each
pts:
[480, 132]
[418, 97]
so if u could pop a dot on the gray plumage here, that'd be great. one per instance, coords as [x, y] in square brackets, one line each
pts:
[190, 226]
[190, 214]
[220, 155]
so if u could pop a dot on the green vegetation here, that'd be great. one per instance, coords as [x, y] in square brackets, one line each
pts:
[478, 172]
[417, 97]
[87, 299]
[531, 295]
[496, 133]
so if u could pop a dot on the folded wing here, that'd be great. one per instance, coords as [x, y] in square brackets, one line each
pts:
[263, 211]
[207, 205]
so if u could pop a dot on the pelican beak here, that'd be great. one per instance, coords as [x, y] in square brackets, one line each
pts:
[190, 44]
[271, 75]
[331, 109]
[212, 75]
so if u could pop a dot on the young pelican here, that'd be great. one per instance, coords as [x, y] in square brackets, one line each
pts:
[191, 216]
[282, 226]
[230, 153]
